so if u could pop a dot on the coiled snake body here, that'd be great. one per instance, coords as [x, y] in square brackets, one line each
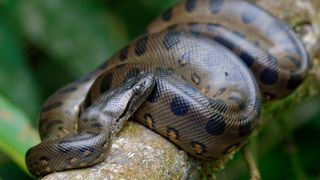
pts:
[197, 77]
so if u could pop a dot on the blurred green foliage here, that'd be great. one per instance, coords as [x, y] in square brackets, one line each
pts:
[46, 43]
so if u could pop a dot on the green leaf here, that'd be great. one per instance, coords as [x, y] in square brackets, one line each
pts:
[17, 134]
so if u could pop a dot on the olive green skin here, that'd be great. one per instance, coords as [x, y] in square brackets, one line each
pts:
[209, 64]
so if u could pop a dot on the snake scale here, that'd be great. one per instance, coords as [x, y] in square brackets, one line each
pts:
[197, 76]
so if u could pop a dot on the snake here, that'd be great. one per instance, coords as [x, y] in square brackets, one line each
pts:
[197, 75]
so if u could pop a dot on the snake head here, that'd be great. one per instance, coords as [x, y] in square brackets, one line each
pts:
[114, 107]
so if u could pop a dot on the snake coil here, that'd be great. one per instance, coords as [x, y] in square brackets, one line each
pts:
[197, 77]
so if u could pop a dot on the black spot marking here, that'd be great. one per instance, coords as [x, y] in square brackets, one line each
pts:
[44, 158]
[166, 16]
[224, 42]
[194, 30]
[269, 76]
[249, 14]
[52, 106]
[179, 105]
[244, 129]
[190, 5]
[106, 82]
[68, 89]
[245, 126]
[198, 148]
[294, 82]
[246, 58]
[87, 101]
[133, 73]
[215, 6]
[96, 125]
[171, 38]
[216, 124]
[141, 46]
[231, 148]
[124, 53]
[53, 123]
[84, 120]
[173, 134]
[155, 94]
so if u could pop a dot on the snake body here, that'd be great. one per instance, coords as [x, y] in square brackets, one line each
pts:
[202, 68]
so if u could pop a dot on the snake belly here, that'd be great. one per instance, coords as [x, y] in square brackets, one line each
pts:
[213, 62]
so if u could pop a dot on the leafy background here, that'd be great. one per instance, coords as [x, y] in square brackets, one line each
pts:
[46, 43]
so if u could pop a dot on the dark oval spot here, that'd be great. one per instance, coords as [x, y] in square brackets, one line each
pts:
[133, 73]
[67, 89]
[124, 53]
[190, 5]
[171, 38]
[141, 46]
[224, 42]
[87, 101]
[216, 124]
[96, 125]
[269, 76]
[106, 82]
[44, 158]
[52, 123]
[155, 94]
[179, 105]
[294, 82]
[249, 14]
[246, 58]
[215, 6]
[166, 16]
[245, 126]
[52, 106]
